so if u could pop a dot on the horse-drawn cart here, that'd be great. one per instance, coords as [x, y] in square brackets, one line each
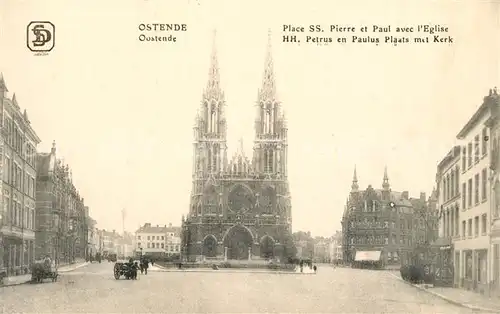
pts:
[43, 269]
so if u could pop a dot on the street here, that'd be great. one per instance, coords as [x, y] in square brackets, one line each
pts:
[92, 289]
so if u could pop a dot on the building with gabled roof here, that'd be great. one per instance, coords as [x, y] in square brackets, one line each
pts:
[387, 224]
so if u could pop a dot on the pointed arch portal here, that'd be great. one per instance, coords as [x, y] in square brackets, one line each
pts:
[238, 241]
[267, 247]
[210, 246]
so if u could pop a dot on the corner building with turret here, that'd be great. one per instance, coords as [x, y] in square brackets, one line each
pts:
[240, 206]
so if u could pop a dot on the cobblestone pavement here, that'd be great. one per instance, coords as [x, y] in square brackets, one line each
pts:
[93, 289]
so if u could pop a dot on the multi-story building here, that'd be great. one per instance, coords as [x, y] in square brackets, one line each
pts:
[388, 233]
[321, 254]
[18, 148]
[449, 204]
[92, 245]
[472, 251]
[239, 209]
[493, 100]
[109, 242]
[61, 218]
[151, 240]
[173, 245]
[335, 248]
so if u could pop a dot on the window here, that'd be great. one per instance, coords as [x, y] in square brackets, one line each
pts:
[476, 188]
[149, 245]
[464, 229]
[163, 245]
[469, 227]
[149, 238]
[484, 184]
[138, 237]
[476, 226]
[477, 153]
[457, 181]
[469, 155]
[457, 215]
[452, 184]
[138, 244]
[445, 188]
[163, 237]
[464, 195]
[484, 142]
[469, 203]
[484, 226]
[464, 159]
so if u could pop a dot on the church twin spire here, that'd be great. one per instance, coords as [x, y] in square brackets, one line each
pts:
[270, 124]
[267, 93]
[213, 90]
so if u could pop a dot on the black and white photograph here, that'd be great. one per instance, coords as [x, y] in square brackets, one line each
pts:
[161, 156]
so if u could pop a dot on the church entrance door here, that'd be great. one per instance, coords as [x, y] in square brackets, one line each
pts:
[209, 247]
[237, 241]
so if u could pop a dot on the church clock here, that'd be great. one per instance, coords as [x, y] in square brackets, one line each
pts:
[240, 199]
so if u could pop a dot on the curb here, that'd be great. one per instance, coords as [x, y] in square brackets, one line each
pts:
[15, 284]
[447, 299]
[75, 268]
[165, 270]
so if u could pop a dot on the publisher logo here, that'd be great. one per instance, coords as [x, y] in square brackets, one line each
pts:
[40, 36]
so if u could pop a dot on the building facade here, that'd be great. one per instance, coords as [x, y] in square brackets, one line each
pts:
[18, 148]
[449, 203]
[472, 249]
[62, 217]
[370, 224]
[239, 209]
[493, 123]
[92, 245]
[336, 249]
[152, 240]
[174, 241]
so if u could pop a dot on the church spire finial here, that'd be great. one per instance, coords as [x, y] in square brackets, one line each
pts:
[355, 185]
[2, 83]
[268, 90]
[385, 183]
[213, 90]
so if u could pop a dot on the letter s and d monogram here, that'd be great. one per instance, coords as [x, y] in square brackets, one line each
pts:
[40, 36]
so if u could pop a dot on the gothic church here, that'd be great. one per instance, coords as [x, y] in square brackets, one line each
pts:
[240, 208]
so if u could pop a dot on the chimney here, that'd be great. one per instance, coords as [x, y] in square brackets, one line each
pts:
[157, 225]
[404, 195]
[147, 225]
[170, 225]
[422, 196]
[114, 231]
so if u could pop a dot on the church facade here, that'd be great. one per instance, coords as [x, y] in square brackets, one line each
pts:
[240, 207]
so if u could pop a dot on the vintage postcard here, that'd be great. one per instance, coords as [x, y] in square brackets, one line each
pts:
[161, 156]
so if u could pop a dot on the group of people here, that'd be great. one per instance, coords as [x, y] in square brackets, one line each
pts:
[142, 266]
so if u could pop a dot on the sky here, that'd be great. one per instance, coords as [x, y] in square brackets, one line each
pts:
[121, 111]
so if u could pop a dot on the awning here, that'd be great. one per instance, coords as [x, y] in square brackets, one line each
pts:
[367, 256]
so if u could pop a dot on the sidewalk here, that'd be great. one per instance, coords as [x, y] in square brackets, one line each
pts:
[460, 297]
[22, 279]
[156, 268]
